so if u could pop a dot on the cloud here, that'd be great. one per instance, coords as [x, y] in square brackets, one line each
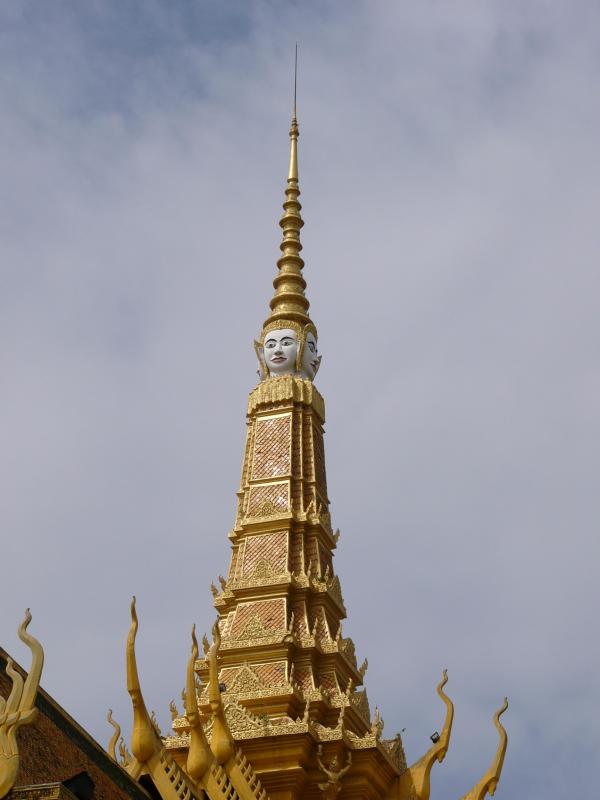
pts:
[450, 186]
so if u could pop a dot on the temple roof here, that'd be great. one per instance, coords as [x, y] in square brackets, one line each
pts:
[54, 748]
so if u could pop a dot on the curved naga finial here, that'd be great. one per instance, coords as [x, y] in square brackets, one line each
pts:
[199, 754]
[418, 776]
[112, 745]
[144, 741]
[19, 709]
[489, 782]
[221, 742]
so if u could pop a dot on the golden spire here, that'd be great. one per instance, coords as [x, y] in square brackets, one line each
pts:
[289, 303]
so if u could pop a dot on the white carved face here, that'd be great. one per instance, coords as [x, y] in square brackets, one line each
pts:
[280, 349]
[310, 357]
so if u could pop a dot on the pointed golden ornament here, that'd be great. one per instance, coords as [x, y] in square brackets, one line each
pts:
[489, 782]
[19, 709]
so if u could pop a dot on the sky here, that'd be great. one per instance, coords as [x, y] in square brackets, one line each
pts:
[450, 186]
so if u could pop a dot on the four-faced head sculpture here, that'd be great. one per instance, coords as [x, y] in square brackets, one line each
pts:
[289, 351]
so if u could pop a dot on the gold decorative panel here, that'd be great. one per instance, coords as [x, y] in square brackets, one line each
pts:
[269, 499]
[268, 549]
[250, 678]
[268, 615]
[271, 457]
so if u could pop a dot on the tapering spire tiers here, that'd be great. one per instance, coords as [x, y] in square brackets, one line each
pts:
[289, 303]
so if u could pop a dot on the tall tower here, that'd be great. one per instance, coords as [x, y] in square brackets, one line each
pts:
[280, 693]
[290, 678]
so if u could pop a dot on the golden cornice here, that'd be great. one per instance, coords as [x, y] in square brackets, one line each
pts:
[300, 580]
[272, 516]
[44, 791]
[298, 521]
[394, 751]
[181, 742]
[254, 690]
[254, 642]
[285, 389]
[292, 728]
[272, 578]
[245, 725]
[330, 587]
[347, 649]
[359, 702]
[282, 690]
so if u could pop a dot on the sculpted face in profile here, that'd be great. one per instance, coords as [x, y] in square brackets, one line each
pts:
[310, 357]
[280, 350]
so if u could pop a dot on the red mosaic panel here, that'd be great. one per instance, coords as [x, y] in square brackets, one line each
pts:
[267, 500]
[304, 678]
[270, 547]
[272, 447]
[227, 675]
[271, 613]
[271, 674]
[333, 622]
[307, 432]
[319, 451]
[300, 627]
[328, 680]
[322, 627]
[296, 554]
[312, 554]
[267, 674]
[297, 461]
